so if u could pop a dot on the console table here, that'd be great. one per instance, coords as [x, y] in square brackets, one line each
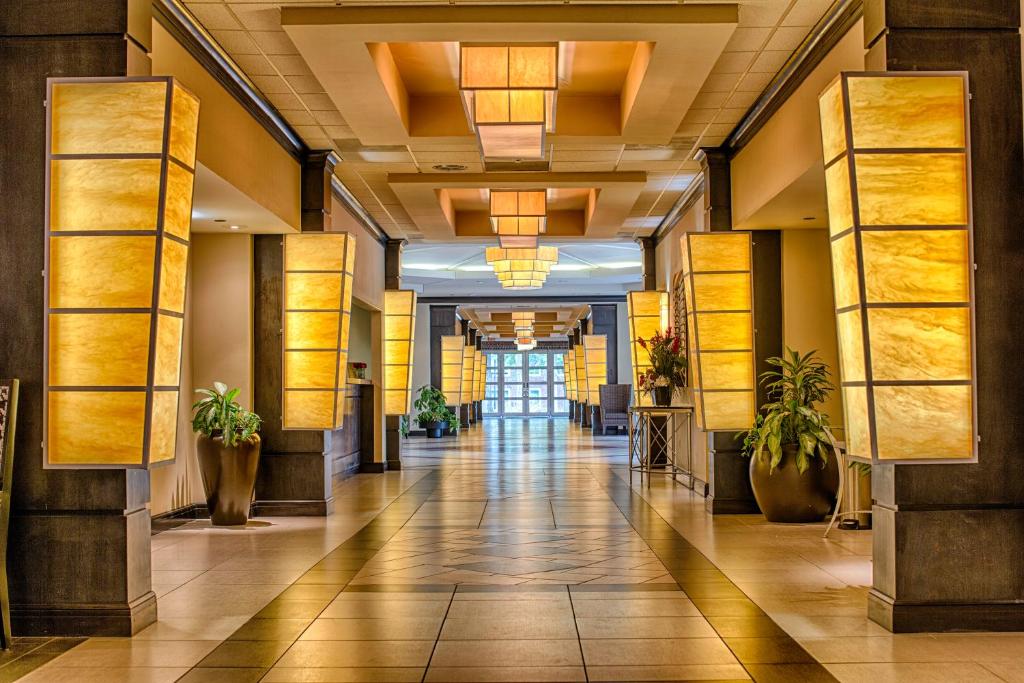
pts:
[654, 430]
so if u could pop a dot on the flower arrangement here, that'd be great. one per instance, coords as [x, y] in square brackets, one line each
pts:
[359, 370]
[668, 365]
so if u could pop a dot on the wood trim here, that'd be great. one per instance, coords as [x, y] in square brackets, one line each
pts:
[685, 202]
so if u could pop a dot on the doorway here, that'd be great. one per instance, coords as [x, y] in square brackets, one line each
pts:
[525, 384]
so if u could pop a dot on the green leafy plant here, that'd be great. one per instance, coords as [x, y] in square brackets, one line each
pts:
[218, 414]
[432, 407]
[791, 418]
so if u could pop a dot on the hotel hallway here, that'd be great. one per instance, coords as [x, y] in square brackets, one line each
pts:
[518, 552]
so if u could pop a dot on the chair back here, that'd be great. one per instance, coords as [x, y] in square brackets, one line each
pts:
[615, 398]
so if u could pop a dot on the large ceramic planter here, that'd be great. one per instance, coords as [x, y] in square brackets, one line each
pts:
[785, 495]
[229, 476]
[435, 429]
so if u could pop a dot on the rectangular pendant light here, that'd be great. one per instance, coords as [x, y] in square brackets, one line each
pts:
[318, 269]
[518, 217]
[897, 172]
[595, 350]
[648, 315]
[399, 331]
[120, 168]
[452, 349]
[509, 92]
[717, 276]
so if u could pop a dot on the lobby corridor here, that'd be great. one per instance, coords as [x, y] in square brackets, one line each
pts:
[518, 552]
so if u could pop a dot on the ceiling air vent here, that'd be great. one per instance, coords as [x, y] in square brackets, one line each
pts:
[449, 168]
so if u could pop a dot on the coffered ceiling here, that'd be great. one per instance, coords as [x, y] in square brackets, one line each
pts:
[548, 321]
[696, 69]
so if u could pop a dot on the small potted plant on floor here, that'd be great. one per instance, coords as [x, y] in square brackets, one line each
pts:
[668, 366]
[793, 469]
[228, 447]
[433, 414]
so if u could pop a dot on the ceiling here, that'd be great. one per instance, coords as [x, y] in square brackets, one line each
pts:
[495, 320]
[632, 151]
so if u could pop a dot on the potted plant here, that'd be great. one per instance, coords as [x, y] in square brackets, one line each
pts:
[359, 370]
[668, 366]
[434, 415]
[793, 469]
[229, 452]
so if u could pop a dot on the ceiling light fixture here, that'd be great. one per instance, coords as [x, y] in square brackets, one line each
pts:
[518, 217]
[522, 268]
[509, 94]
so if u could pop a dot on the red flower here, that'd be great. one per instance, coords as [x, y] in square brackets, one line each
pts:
[675, 345]
[643, 344]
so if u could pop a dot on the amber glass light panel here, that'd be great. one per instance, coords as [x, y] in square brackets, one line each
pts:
[481, 376]
[521, 268]
[897, 174]
[581, 375]
[595, 351]
[399, 329]
[121, 157]
[468, 373]
[570, 374]
[648, 315]
[318, 270]
[509, 93]
[452, 348]
[518, 217]
[720, 315]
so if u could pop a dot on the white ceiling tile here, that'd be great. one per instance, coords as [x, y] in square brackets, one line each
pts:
[747, 39]
[274, 42]
[235, 42]
[733, 62]
[770, 61]
[290, 65]
[713, 140]
[304, 84]
[213, 15]
[283, 101]
[709, 100]
[732, 116]
[340, 132]
[254, 65]
[585, 155]
[318, 101]
[689, 129]
[754, 82]
[720, 82]
[695, 116]
[807, 12]
[590, 166]
[718, 129]
[786, 38]
[258, 17]
[761, 12]
[309, 131]
[742, 100]
[272, 85]
[298, 117]
[328, 118]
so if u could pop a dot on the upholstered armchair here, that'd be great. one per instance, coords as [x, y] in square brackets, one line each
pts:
[614, 406]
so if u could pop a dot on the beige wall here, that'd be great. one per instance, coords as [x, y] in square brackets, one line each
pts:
[217, 346]
[231, 143]
[788, 147]
[360, 333]
[808, 313]
[368, 284]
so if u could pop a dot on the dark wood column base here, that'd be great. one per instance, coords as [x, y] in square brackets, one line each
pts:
[729, 475]
[94, 619]
[585, 417]
[595, 420]
[902, 617]
[296, 484]
[292, 508]
[373, 468]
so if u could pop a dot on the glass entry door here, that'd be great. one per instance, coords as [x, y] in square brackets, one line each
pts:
[525, 384]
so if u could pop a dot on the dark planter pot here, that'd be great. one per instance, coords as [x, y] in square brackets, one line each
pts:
[229, 476]
[662, 396]
[788, 496]
[435, 429]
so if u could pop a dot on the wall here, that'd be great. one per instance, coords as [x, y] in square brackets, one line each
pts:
[360, 333]
[217, 346]
[231, 143]
[808, 310]
[624, 360]
[421, 350]
[667, 255]
[368, 282]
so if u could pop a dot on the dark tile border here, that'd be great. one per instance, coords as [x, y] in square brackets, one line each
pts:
[763, 648]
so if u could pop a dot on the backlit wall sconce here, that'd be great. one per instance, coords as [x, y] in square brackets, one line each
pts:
[452, 348]
[318, 269]
[468, 373]
[120, 166]
[581, 375]
[399, 338]
[570, 374]
[718, 281]
[897, 172]
[509, 94]
[481, 376]
[595, 350]
[648, 315]
[518, 217]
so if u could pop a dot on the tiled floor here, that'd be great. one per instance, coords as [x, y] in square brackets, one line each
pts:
[519, 553]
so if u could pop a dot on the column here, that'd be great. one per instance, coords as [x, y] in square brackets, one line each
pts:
[296, 468]
[728, 473]
[948, 538]
[443, 321]
[393, 423]
[80, 538]
[648, 263]
[465, 411]
[582, 329]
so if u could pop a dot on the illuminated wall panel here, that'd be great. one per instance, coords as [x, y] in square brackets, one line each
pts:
[648, 315]
[452, 349]
[581, 375]
[595, 352]
[720, 315]
[121, 158]
[318, 269]
[399, 331]
[570, 374]
[481, 378]
[468, 373]
[898, 177]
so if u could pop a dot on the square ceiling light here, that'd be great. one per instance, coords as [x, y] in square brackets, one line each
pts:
[509, 93]
[518, 217]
